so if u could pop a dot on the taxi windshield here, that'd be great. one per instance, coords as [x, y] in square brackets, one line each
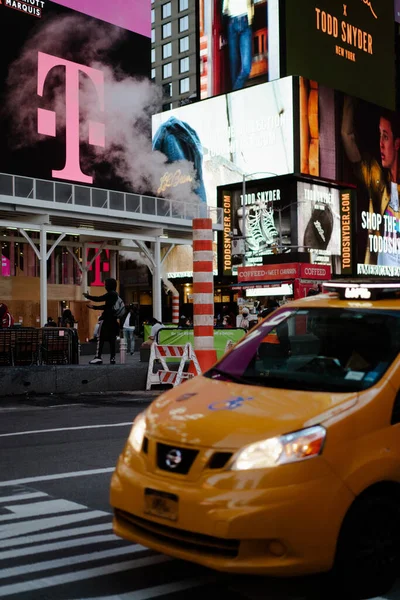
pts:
[320, 349]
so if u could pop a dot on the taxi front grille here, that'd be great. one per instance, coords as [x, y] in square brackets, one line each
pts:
[206, 545]
[175, 460]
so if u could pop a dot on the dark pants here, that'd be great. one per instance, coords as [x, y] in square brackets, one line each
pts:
[108, 332]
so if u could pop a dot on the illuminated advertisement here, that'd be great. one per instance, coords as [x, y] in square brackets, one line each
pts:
[319, 222]
[239, 44]
[358, 142]
[76, 100]
[263, 218]
[221, 139]
[348, 46]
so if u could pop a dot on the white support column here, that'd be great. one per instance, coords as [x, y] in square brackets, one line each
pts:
[113, 264]
[157, 311]
[84, 282]
[43, 276]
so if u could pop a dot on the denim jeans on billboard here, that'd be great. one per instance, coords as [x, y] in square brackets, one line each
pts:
[240, 50]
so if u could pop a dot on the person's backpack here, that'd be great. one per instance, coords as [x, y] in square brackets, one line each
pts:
[119, 308]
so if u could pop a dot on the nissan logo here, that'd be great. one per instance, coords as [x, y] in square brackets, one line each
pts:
[173, 458]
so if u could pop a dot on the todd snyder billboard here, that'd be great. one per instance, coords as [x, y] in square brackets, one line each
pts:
[357, 142]
[348, 46]
[72, 81]
[285, 215]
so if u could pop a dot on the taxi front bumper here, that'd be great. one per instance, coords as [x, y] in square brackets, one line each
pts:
[286, 530]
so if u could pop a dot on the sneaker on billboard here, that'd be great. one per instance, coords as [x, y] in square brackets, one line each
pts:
[96, 361]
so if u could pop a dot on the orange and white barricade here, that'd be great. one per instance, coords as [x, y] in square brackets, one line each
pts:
[165, 375]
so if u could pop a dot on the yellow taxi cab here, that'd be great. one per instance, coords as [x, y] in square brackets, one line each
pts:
[284, 458]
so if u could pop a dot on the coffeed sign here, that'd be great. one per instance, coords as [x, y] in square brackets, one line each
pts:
[349, 46]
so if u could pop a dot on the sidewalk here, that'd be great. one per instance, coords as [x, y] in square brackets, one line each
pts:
[75, 379]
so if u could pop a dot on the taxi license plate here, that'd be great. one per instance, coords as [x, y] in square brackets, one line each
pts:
[161, 504]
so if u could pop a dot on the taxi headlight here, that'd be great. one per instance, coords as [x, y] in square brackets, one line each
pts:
[137, 432]
[281, 450]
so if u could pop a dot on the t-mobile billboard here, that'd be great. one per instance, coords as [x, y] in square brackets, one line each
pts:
[75, 96]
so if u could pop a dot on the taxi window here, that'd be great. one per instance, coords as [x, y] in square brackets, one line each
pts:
[316, 349]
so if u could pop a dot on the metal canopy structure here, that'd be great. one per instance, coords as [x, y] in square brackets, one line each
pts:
[98, 218]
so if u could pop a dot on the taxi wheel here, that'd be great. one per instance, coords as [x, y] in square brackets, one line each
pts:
[368, 552]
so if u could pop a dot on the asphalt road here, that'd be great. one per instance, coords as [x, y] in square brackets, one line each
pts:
[56, 541]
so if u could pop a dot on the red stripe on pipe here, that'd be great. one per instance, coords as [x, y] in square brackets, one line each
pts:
[203, 330]
[203, 309]
[203, 287]
[199, 245]
[202, 223]
[203, 266]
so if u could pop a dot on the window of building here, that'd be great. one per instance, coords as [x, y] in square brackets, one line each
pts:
[183, 23]
[184, 85]
[184, 65]
[167, 70]
[167, 90]
[153, 15]
[153, 36]
[184, 44]
[167, 50]
[183, 5]
[166, 30]
[167, 106]
[153, 55]
[166, 10]
[153, 73]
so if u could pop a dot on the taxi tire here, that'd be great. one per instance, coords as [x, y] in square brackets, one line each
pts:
[367, 558]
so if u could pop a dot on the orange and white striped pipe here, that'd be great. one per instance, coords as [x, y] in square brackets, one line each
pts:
[175, 308]
[203, 285]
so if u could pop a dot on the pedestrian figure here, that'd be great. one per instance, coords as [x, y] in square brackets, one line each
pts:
[108, 323]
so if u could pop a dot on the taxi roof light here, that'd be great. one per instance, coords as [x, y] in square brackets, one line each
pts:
[363, 290]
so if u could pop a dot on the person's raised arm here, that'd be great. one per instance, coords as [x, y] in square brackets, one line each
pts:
[347, 131]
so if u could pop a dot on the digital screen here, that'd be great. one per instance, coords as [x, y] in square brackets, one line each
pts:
[358, 143]
[75, 95]
[239, 44]
[319, 223]
[263, 218]
[219, 140]
[347, 46]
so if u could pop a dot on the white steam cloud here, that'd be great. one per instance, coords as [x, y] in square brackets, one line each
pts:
[129, 104]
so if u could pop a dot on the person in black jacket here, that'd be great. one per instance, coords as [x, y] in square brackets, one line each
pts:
[109, 325]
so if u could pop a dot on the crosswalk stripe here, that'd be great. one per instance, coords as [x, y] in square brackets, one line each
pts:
[161, 590]
[41, 431]
[56, 476]
[57, 535]
[33, 509]
[17, 497]
[46, 582]
[12, 530]
[69, 561]
[42, 548]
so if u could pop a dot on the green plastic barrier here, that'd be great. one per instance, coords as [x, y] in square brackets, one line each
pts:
[180, 337]
[147, 329]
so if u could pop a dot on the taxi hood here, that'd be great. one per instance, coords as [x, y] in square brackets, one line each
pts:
[230, 415]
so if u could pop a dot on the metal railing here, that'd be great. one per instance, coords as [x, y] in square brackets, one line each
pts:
[68, 196]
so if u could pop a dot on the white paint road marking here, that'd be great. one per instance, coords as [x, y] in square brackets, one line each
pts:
[58, 535]
[37, 431]
[46, 582]
[10, 531]
[26, 496]
[69, 561]
[160, 590]
[56, 476]
[42, 548]
[49, 507]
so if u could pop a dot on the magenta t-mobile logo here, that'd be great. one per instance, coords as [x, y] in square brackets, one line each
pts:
[47, 118]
